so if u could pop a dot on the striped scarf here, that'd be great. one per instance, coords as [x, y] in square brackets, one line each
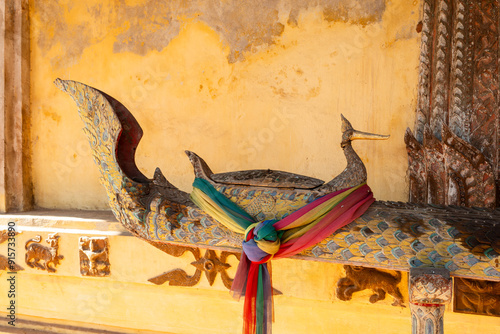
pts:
[274, 239]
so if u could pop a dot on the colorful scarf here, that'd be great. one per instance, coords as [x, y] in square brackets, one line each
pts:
[274, 239]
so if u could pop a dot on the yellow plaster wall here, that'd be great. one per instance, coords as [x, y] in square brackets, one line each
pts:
[274, 103]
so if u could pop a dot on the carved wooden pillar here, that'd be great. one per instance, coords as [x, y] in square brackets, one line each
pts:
[429, 290]
[15, 176]
[454, 152]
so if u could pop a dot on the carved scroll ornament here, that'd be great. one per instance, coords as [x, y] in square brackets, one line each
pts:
[209, 263]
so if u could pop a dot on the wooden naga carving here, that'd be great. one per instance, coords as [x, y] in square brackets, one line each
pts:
[453, 153]
[388, 235]
[395, 236]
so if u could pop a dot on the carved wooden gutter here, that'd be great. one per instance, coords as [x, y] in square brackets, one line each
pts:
[390, 235]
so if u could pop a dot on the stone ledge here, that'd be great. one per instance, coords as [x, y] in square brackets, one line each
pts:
[65, 221]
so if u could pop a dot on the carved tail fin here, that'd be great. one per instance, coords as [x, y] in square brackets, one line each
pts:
[113, 135]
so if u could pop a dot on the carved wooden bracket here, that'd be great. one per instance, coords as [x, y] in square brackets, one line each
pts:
[477, 297]
[94, 256]
[210, 264]
[380, 282]
[42, 257]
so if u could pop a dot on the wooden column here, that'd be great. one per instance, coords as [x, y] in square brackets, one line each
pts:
[15, 177]
[429, 290]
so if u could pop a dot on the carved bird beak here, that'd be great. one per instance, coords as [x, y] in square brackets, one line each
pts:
[365, 135]
[348, 133]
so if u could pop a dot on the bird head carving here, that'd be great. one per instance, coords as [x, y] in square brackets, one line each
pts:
[349, 133]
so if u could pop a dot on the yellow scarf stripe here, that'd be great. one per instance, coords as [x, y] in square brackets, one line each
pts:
[206, 204]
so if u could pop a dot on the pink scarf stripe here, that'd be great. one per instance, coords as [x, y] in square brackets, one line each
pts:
[346, 205]
[329, 224]
[283, 223]
[302, 244]
[350, 209]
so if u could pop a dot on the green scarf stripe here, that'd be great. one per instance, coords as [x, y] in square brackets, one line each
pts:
[233, 210]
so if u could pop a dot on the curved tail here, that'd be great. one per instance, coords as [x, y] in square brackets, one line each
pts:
[36, 239]
[113, 135]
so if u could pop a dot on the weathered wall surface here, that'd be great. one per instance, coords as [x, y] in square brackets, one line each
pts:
[245, 85]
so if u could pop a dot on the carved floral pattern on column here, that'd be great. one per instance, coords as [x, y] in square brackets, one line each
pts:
[209, 263]
[430, 286]
[94, 256]
[457, 93]
[477, 297]
[361, 278]
[429, 290]
[427, 320]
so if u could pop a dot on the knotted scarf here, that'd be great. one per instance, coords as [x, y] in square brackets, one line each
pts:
[274, 239]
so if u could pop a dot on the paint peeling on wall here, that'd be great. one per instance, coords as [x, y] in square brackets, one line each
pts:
[284, 97]
[243, 25]
[66, 26]
[151, 24]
